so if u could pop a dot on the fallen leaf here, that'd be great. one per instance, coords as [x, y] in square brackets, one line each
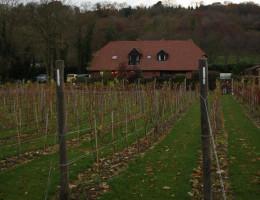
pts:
[179, 173]
[166, 188]
[195, 183]
[190, 194]
[80, 176]
[220, 171]
[72, 186]
[149, 169]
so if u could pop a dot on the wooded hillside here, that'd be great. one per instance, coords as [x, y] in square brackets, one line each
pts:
[38, 33]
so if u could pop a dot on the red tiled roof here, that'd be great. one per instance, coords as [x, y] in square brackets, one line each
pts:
[182, 55]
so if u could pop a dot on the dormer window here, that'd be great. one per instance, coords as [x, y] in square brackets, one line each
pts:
[134, 57]
[162, 56]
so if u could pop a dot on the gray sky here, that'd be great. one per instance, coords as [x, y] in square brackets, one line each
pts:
[184, 3]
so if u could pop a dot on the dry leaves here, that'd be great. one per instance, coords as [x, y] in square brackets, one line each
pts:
[166, 188]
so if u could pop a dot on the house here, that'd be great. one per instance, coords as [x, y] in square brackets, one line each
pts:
[153, 58]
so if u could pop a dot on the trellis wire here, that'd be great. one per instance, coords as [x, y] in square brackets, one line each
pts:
[214, 149]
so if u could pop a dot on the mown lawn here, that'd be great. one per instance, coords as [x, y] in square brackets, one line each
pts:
[165, 171]
[243, 151]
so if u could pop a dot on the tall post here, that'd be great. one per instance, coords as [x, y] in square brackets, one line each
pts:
[189, 93]
[205, 134]
[232, 86]
[252, 95]
[155, 108]
[62, 121]
[180, 98]
[123, 84]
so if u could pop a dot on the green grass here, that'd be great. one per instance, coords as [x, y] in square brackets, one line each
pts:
[28, 181]
[171, 160]
[243, 151]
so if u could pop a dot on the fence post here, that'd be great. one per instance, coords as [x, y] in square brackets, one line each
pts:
[64, 175]
[252, 95]
[205, 134]
[232, 86]
[189, 93]
[123, 84]
[180, 98]
[155, 108]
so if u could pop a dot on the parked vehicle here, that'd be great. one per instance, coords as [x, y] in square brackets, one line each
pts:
[82, 77]
[41, 78]
[71, 78]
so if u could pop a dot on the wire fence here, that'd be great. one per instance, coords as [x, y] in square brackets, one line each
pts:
[34, 123]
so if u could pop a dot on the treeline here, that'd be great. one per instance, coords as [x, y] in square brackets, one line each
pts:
[35, 34]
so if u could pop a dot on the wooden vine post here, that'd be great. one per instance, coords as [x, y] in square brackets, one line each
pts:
[155, 109]
[205, 134]
[62, 121]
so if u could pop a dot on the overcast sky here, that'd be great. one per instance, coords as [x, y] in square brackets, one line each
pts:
[184, 3]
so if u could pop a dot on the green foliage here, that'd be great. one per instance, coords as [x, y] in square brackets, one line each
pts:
[135, 76]
[212, 78]
[111, 34]
[179, 78]
[235, 69]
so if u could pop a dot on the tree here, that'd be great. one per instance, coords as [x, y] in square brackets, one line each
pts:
[7, 19]
[49, 20]
[111, 34]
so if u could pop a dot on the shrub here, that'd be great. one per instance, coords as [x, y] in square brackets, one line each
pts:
[212, 76]
[179, 78]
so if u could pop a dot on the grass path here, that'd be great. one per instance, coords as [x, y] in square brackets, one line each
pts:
[164, 172]
[243, 151]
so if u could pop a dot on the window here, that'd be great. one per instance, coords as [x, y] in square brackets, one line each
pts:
[134, 57]
[162, 56]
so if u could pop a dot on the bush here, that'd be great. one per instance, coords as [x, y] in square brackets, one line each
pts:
[179, 78]
[235, 69]
[212, 76]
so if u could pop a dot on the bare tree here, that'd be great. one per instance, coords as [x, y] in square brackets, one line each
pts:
[7, 19]
[49, 21]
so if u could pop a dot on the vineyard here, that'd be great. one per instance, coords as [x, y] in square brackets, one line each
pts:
[100, 121]
[249, 96]
[107, 127]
